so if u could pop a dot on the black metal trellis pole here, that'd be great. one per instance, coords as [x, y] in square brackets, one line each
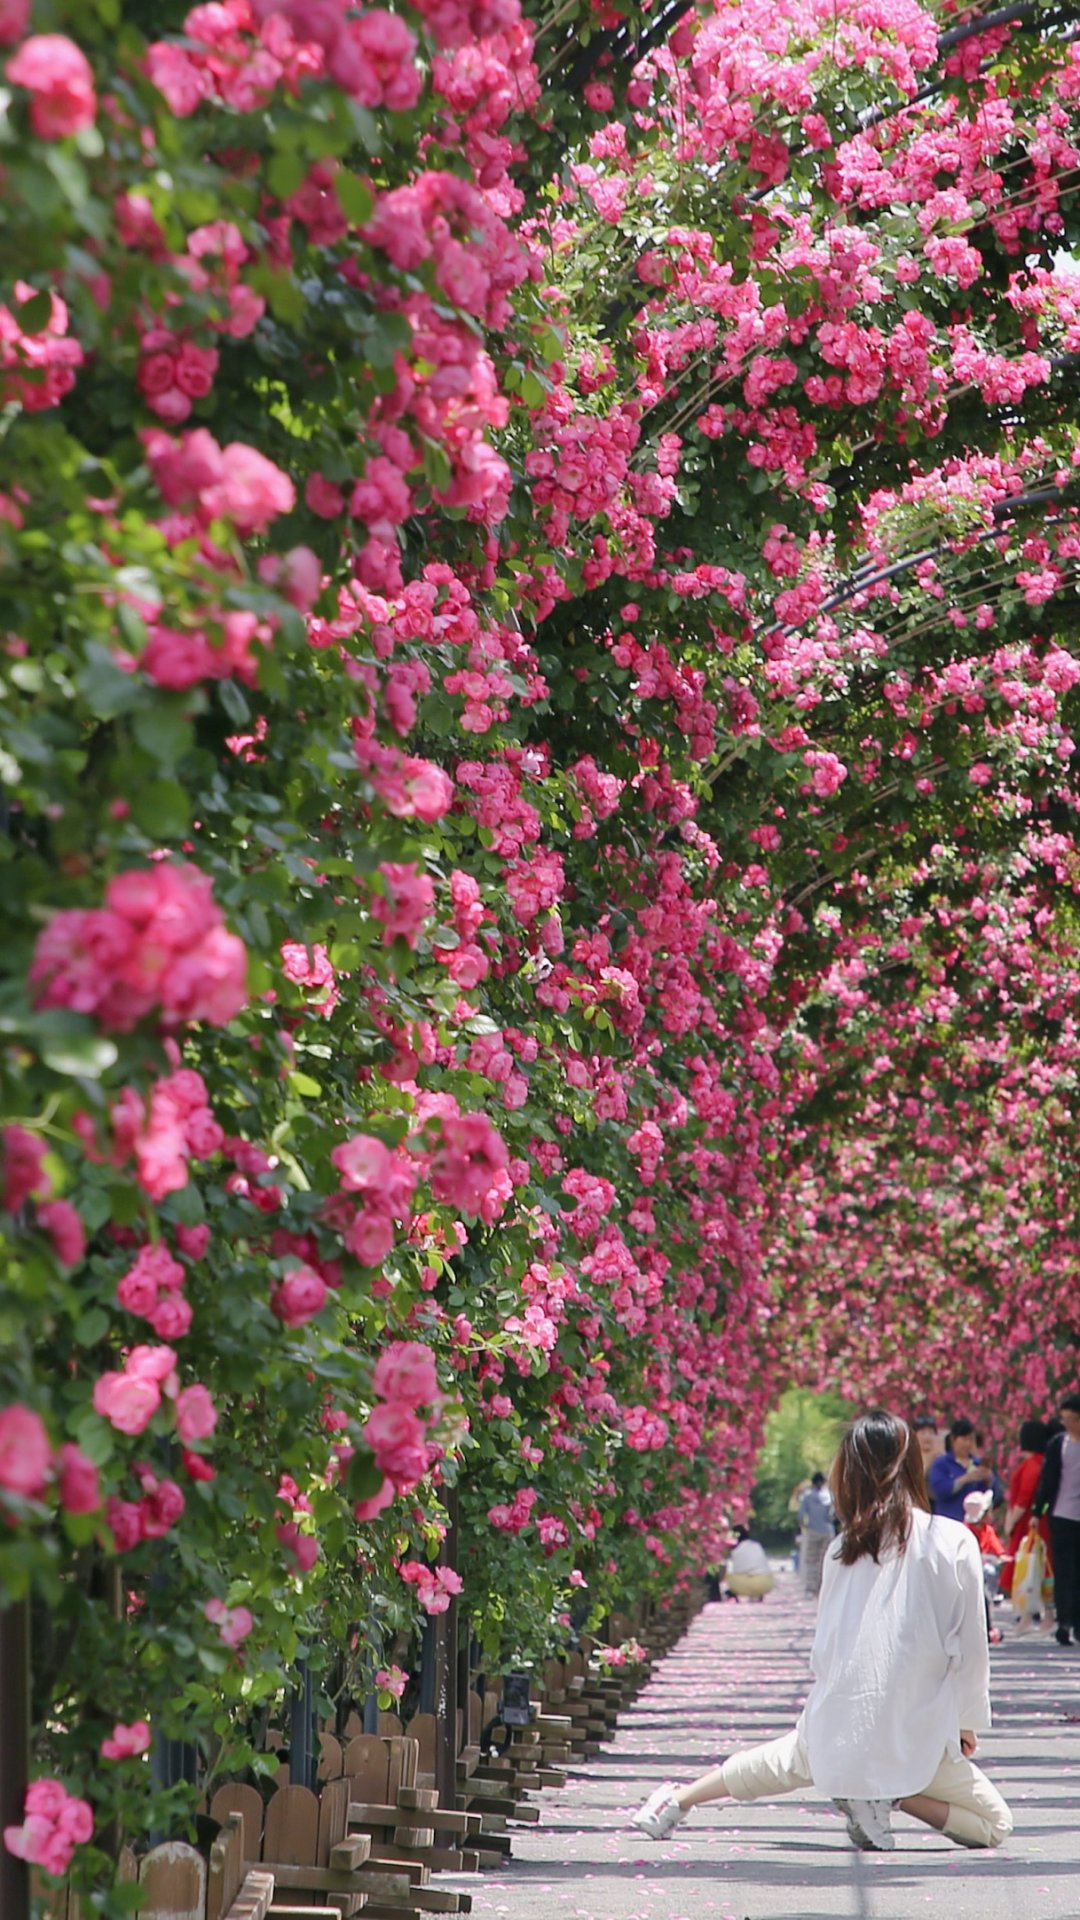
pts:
[14, 1751]
[302, 1728]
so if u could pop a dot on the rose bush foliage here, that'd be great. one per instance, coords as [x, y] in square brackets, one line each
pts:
[536, 580]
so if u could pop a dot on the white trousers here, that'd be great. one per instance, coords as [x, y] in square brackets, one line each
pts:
[978, 1816]
[812, 1559]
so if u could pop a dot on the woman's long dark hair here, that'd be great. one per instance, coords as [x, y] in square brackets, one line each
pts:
[877, 1479]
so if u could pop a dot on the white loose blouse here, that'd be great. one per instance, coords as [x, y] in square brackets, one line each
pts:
[900, 1663]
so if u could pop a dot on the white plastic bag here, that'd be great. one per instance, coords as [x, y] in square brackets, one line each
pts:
[1030, 1573]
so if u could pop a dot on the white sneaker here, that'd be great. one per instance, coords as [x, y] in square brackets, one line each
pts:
[868, 1824]
[660, 1814]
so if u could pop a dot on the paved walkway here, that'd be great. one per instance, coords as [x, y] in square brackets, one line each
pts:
[737, 1677]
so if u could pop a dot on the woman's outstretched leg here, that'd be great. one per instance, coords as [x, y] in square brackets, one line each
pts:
[758, 1773]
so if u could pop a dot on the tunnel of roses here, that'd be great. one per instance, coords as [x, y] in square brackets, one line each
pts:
[538, 630]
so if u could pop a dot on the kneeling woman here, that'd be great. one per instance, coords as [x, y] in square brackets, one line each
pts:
[900, 1663]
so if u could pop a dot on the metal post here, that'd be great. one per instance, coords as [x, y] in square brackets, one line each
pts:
[302, 1729]
[14, 1751]
[371, 1713]
[446, 1683]
[172, 1762]
[428, 1661]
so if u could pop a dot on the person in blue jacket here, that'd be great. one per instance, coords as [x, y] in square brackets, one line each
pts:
[958, 1471]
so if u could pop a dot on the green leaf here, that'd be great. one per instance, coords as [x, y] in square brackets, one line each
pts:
[362, 1477]
[355, 199]
[186, 1206]
[105, 688]
[162, 810]
[86, 1054]
[285, 173]
[164, 732]
[365, 126]
[390, 334]
[33, 315]
[234, 703]
[91, 1326]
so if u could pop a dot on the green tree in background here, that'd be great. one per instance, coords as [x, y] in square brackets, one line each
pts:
[801, 1436]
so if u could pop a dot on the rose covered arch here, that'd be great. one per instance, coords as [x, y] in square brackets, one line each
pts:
[539, 656]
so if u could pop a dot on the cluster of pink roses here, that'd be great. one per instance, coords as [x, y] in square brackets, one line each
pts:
[515, 1517]
[466, 1158]
[405, 1379]
[151, 1287]
[240, 53]
[159, 941]
[37, 369]
[163, 1136]
[151, 1517]
[385, 1180]
[435, 1586]
[54, 1824]
[235, 483]
[25, 1177]
[409, 788]
[29, 1464]
[405, 902]
[179, 658]
[130, 1397]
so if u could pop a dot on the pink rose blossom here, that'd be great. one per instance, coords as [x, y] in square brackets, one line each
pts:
[160, 1507]
[391, 1680]
[66, 1231]
[196, 1414]
[299, 1297]
[303, 1546]
[23, 1167]
[126, 1743]
[297, 576]
[54, 1824]
[171, 1317]
[77, 1480]
[14, 20]
[396, 1437]
[370, 1236]
[363, 1162]
[125, 1523]
[323, 497]
[408, 898]
[469, 1156]
[127, 1402]
[25, 1454]
[58, 78]
[405, 1371]
[233, 1623]
[151, 1363]
[251, 491]
[375, 1502]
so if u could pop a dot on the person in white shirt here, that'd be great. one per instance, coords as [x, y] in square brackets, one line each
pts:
[748, 1572]
[900, 1663]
